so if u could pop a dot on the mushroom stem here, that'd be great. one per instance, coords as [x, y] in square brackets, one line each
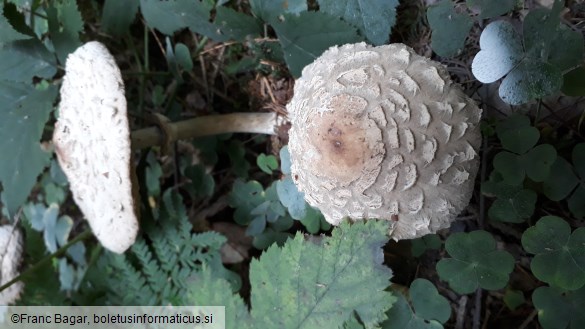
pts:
[258, 123]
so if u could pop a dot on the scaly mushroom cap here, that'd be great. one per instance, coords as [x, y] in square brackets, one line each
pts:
[10, 256]
[92, 141]
[381, 132]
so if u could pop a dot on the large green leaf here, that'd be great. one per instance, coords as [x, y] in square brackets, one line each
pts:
[118, 15]
[24, 59]
[306, 36]
[270, 10]
[475, 264]
[559, 255]
[65, 24]
[374, 19]
[171, 16]
[567, 49]
[8, 33]
[450, 28]
[23, 113]
[236, 25]
[308, 284]
[559, 309]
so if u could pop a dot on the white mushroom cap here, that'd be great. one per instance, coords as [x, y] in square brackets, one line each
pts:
[10, 257]
[92, 141]
[381, 132]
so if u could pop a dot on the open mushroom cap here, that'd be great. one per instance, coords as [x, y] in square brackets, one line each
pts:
[10, 257]
[381, 132]
[92, 142]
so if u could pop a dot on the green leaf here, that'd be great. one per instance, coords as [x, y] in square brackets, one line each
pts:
[312, 220]
[306, 36]
[510, 166]
[374, 20]
[284, 160]
[559, 255]
[402, 316]
[475, 264]
[574, 82]
[309, 284]
[513, 299]
[579, 160]
[540, 28]
[8, 33]
[501, 50]
[319, 285]
[422, 244]
[24, 59]
[267, 163]
[558, 309]
[450, 29]
[567, 49]
[270, 10]
[236, 25]
[23, 113]
[520, 139]
[183, 56]
[577, 202]
[492, 8]
[207, 289]
[153, 173]
[171, 16]
[427, 302]
[529, 80]
[118, 15]
[291, 198]
[513, 204]
[561, 180]
[237, 153]
[65, 24]
[538, 161]
[203, 183]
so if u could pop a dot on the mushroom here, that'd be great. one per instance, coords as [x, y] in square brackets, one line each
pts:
[381, 132]
[377, 132]
[10, 256]
[92, 142]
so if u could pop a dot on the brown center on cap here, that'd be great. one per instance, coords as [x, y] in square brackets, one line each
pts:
[343, 145]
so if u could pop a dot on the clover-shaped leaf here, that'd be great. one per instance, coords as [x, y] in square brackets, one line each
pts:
[513, 204]
[475, 264]
[533, 66]
[530, 80]
[513, 298]
[560, 309]
[267, 163]
[559, 255]
[518, 136]
[450, 28]
[55, 229]
[561, 180]
[501, 50]
[428, 311]
[420, 245]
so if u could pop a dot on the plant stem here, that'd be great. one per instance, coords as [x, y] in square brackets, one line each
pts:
[84, 235]
[258, 123]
